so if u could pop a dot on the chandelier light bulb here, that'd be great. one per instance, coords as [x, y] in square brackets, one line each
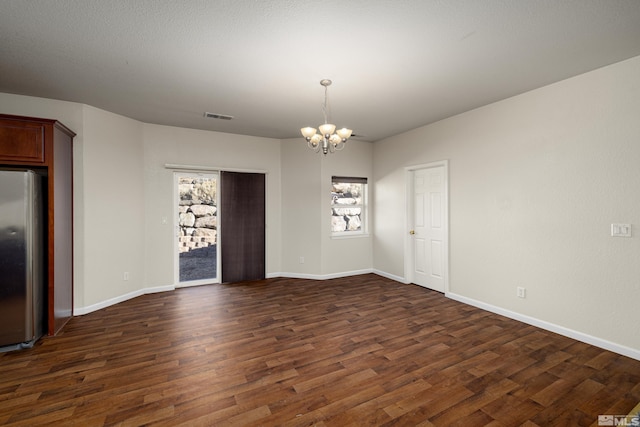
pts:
[327, 129]
[308, 132]
[344, 133]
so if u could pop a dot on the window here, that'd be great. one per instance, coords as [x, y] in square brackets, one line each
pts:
[348, 205]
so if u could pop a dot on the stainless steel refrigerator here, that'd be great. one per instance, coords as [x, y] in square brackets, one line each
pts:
[21, 259]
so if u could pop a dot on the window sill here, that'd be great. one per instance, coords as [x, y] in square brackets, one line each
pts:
[349, 236]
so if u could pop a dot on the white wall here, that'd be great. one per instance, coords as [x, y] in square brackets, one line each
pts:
[301, 212]
[163, 145]
[306, 211]
[535, 182]
[113, 235]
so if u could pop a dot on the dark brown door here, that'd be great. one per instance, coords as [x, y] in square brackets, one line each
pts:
[242, 228]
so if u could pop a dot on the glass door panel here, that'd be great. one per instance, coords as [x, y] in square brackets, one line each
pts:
[197, 228]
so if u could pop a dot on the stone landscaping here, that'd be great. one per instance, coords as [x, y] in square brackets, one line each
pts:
[346, 207]
[197, 212]
[198, 222]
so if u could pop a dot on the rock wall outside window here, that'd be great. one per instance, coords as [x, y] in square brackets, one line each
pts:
[197, 213]
[346, 207]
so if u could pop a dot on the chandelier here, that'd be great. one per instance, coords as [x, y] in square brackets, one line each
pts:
[327, 138]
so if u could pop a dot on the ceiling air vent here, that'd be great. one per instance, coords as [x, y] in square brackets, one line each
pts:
[218, 116]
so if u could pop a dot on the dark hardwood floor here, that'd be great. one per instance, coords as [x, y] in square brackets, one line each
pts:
[358, 351]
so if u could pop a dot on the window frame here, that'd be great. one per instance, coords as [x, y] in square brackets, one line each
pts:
[364, 207]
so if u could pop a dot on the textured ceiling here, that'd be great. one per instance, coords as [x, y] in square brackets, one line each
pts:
[395, 64]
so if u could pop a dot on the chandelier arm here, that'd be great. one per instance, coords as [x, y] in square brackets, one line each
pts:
[312, 146]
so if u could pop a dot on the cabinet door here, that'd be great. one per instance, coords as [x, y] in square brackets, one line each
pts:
[61, 223]
[21, 142]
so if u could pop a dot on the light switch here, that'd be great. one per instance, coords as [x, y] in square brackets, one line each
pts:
[621, 230]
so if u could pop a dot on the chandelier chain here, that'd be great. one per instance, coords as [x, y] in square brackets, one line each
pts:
[325, 107]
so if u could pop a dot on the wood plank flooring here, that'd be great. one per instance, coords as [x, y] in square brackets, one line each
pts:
[361, 351]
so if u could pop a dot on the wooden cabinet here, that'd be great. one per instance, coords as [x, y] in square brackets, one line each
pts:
[45, 145]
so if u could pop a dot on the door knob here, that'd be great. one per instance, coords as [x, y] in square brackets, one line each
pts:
[412, 232]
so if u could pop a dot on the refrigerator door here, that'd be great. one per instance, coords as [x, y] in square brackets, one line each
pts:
[21, 285]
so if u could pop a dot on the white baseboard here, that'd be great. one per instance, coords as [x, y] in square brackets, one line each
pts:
[293, 276]
[561, 330]
[322, 276]
[80, 311]
[391, 276]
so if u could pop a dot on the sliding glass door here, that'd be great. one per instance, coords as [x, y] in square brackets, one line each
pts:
[220, 227]
[198, 257]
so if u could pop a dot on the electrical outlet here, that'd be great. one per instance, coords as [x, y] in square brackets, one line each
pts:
[125, 275]
[301, 260]
[521, 292]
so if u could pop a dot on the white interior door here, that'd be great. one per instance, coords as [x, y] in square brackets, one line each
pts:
[428, 227]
